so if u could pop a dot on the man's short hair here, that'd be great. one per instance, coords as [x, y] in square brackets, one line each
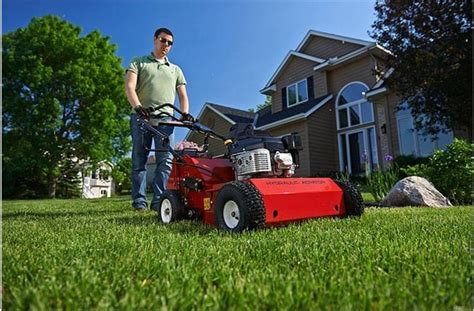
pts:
[165, 30]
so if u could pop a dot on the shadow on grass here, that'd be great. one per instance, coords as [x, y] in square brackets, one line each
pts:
[53, 215]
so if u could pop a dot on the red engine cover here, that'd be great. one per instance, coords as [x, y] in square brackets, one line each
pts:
[292, 199]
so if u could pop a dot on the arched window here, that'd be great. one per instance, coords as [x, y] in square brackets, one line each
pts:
[355, 122]
[352, 108]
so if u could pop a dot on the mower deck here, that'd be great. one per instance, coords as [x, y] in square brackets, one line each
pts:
[292, 199]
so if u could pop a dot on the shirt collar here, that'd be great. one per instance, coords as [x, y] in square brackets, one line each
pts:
[152, 57]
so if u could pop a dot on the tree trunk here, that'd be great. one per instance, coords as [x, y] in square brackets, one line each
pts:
[52, 183]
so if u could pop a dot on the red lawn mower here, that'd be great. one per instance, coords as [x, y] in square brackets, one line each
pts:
[251, 185]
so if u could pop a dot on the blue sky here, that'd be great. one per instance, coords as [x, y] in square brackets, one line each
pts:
[228, 50]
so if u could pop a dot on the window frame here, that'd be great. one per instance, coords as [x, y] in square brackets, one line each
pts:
[296, 93]
[358, 103]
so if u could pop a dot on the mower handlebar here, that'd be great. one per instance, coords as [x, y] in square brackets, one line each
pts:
[188, 122]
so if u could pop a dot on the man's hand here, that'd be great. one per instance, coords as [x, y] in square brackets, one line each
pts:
[142, 112]
[186, 117]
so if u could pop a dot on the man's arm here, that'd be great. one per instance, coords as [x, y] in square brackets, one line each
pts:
[130, 86]
[183, 98]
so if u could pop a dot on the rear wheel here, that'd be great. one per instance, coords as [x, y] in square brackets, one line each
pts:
[352, 198]
[171, 207]
[238, 207]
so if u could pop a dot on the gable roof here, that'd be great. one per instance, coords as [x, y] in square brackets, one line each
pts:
[297, 53]
[374, 48]
[235, 115]
[231, 115]
[283, 64]
[311, 33]
[265, 119]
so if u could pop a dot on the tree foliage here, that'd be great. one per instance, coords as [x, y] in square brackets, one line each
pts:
[63, 101]
[267, 103]
[122, 175]
[431, 46]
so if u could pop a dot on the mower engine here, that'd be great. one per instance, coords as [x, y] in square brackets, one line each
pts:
[257, 154]
[259, 163]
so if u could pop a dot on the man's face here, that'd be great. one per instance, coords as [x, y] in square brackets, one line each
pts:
[163, 44]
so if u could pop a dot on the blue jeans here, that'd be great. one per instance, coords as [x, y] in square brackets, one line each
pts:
[163, 157]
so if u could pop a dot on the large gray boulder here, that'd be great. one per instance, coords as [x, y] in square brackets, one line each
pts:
[415, 191]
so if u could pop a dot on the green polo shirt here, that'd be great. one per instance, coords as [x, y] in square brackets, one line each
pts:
[157, 82]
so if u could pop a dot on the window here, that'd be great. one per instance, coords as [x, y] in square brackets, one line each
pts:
[353, 108]
[297, 93]
[415, 143]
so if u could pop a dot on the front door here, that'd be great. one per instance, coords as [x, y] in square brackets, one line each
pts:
[358, 151]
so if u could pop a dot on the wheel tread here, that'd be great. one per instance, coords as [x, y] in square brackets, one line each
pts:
[250, 198]
[352, 198]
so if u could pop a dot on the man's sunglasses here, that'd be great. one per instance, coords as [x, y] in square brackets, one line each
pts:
[163, 40]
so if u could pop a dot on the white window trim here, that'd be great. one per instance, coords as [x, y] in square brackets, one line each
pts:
[366, 138]
[297, 102]
[348, 105]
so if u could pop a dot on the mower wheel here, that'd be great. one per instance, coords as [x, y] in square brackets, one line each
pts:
[238, 207]
[171, 207]
[352, 198]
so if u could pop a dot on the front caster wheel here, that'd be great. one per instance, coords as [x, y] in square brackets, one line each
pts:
[171, 207]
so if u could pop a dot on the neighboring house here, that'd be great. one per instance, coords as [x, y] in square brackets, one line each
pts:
[98, 183]
[220, 119]
[327, 91]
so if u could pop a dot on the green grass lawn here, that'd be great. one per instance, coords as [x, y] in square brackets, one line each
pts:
[98, 254]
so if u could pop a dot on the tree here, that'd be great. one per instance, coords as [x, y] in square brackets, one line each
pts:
[431, 46]
[122, 175]
[63, 101]
[268, 102]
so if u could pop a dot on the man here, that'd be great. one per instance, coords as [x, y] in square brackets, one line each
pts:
[151, 81]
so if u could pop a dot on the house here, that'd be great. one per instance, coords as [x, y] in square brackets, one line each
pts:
[327, 90]
[98, 183]
[219, 118]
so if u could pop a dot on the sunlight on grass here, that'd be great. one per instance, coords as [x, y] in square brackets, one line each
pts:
[83, 254]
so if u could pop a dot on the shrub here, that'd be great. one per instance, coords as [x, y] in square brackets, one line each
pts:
[415, 170]
[380, 182]
[451, 171]
[404, 162]
[342, 176]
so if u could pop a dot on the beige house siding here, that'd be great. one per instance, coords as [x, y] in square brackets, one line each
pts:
[359, 70]
[391, 102]
[320, 84]
[300, 128]
[219, 125]
[327, 48]
[296, 70]
[322, 141]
